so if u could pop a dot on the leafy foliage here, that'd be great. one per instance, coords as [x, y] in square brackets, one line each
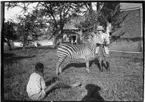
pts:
[51, 15]
[54, 15]
[9, 31]
[106, 12]
[59, 13]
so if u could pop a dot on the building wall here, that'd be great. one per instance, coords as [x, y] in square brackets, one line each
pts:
[132, 24]
[129, 35]
[125, 6]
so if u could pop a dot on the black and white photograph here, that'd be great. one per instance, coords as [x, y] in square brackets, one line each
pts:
[72, 51]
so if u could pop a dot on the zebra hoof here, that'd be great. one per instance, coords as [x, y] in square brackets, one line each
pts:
[57, 74]
[88, 71]
[60, 71]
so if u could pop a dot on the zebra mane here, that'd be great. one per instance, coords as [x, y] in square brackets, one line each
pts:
[91, 44]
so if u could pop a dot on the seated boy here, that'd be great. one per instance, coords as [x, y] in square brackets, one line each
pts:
[36, 87]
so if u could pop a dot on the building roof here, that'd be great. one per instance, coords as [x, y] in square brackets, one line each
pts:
[69, 26]
[74, 21]
[125, 6]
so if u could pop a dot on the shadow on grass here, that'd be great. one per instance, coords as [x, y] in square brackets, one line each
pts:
[10, 58]
[32, 47]
[93, 93]
[106, 65]
[54, 79]
[82, 64]
[8, 55]
[46, 47]
[61, 84]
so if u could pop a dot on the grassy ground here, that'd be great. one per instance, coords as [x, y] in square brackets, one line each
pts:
[123, 82]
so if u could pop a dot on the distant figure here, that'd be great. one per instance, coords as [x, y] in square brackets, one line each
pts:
[36, 87]
[73, 40]
[35, 43]
[65, 38]
[93, 93]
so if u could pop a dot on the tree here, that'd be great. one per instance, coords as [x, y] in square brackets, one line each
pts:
[59, 13]
[56, 14]
[29, 26]
[25, 25]
[105, 12]
[9, 32]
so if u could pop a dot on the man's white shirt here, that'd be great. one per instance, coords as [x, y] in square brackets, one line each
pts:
[101, 38]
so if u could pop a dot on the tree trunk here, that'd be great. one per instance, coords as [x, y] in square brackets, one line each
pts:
[24, 42]
[24, 46]
[8, 42]
[61, 27]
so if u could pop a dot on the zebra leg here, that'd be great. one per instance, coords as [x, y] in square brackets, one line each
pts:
[58, 67]
[100, 64]
[106, 64]
[87, 66]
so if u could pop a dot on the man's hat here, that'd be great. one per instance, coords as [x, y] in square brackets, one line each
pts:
[100, 28]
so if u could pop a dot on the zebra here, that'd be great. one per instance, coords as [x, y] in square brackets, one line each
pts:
[84, 52]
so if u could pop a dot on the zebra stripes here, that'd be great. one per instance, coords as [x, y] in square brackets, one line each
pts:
[83, 52]
[74, 51]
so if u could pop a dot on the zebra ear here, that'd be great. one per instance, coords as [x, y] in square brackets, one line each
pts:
[93, 34]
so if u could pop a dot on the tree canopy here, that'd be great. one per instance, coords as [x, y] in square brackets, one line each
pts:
[50, 17]
[9, 31]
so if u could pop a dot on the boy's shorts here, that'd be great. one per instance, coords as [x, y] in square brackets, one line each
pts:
[102, 51]
[38, 96]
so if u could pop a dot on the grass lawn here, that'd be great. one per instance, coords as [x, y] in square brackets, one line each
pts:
[124, 81]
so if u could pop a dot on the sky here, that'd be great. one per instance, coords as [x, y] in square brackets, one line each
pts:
[14, 12]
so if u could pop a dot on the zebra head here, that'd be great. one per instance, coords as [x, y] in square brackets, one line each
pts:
[107, 35]
[106, 39]
[109, 29]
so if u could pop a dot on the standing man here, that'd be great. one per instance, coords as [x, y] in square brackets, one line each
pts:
[102, 48]
[104, 39]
